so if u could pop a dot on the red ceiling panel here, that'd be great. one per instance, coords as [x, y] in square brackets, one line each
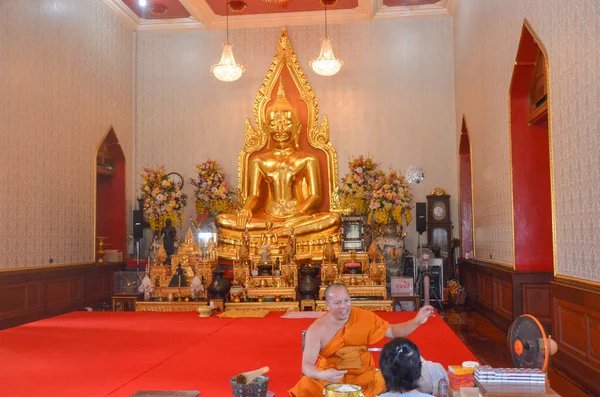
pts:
[174, 9]
[262, 7]
[405, 3]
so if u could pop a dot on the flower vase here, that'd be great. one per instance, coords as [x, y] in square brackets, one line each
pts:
[147, 295]
[193, 294]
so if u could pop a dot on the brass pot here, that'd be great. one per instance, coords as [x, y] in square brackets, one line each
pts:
[330, 391]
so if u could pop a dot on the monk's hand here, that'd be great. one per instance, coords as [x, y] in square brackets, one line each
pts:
[243, 216]
[332, 375]
[424, 314]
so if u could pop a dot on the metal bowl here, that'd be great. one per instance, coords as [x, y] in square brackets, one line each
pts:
[256, 388]
[330, 391]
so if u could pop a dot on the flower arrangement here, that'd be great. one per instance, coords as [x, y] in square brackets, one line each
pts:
[146, 285]
[391, 200]
[357, 186]
[162, 199]
[212, 192]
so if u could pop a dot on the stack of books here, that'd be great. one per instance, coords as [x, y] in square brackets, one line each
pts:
[487, 375]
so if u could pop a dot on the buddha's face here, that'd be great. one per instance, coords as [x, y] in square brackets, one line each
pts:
[282, 127]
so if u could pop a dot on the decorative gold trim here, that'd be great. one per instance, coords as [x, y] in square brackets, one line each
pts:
[270, 306]
[56, 267]
[542, 48]
[373, 305]
[317, 135]
[574, 280]
[272, 292]
[125, 178]
[168, 306]
[466, 131]
[360, 290]
[540, 44]
[438, 191]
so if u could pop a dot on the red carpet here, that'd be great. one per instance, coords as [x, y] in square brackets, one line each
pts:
[116, 354]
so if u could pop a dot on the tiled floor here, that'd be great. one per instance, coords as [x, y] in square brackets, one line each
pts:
[488, 343]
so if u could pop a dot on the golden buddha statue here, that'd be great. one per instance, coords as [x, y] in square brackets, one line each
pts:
[285, 171]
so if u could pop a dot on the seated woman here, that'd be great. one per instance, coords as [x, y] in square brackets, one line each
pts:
[400, 364]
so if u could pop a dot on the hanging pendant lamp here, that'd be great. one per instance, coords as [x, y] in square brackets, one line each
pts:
[326, 64]
[227, 69]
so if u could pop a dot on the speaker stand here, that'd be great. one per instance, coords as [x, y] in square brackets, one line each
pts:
[137, 255]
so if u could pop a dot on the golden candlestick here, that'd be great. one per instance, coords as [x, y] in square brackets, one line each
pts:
[100, 249]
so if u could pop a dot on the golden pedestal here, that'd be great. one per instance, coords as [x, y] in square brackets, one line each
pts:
[151, 306]
[270, 306]
[376, 291]
[307, 305]
[373, 305]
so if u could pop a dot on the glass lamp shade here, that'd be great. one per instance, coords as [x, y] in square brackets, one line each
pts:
[326, 64]
[227, 69]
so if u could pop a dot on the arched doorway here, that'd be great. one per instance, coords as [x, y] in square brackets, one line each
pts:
[530, 157]
[466, 193]
[110, 194]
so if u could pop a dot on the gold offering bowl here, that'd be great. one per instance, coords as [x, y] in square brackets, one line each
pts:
[204, 311]
[331, 391]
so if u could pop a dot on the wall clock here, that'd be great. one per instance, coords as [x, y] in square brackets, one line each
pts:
[176, 178]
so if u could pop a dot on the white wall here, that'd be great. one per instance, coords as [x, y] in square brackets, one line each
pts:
[66, 75]
[393, 99]
[486, 38]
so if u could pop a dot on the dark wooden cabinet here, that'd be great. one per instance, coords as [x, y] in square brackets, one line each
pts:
[439, 228]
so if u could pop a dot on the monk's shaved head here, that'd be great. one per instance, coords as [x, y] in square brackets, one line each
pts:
[334, 286]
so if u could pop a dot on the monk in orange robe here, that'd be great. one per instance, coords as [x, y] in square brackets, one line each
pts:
[336, 345]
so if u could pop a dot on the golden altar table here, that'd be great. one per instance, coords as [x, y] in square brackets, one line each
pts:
[373, 305]
[376, 291]
[156, 306]
[270, 306]
[368, 278]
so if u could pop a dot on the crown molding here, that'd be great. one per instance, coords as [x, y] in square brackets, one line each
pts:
[203, 13]
[123, 12]
[200, 10]
[451, 6]
[203, 17]
[441, 8]
[290, 19]
[170, 24]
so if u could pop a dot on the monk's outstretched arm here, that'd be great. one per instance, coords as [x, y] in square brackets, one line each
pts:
[404, 329]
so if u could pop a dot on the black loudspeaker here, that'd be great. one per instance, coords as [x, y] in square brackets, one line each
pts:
[138, 229]
[421, 220]
[409, 266]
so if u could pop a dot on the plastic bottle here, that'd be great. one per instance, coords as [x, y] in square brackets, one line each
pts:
[442, 388]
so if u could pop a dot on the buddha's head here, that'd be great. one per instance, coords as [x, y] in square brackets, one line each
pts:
[282, 121]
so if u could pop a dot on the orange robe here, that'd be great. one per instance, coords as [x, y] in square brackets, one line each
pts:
[363, 328]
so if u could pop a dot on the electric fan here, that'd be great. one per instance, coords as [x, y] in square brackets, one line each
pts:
[529, 346]
[419, 257]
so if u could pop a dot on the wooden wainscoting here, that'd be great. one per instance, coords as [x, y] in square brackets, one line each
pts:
[501, 295]
[31, 294]
[576, 326]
